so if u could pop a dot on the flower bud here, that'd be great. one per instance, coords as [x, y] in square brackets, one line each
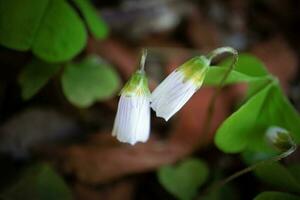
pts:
[279, 138]
[178, 87]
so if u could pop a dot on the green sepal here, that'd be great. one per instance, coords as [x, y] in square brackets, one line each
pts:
[137, 85]
[195, 69]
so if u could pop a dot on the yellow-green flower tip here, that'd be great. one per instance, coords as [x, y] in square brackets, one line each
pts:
[195, 70]
[137, 85]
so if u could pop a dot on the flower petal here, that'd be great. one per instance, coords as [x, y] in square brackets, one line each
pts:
[169, 97]
[132, 123]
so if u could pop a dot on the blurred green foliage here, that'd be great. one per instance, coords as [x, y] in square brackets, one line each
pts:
[55, 33]
[38, 182]
[35, 75]
[184, 179]
[279, 177]
[50, 28]
[88, 81]
[270, 195]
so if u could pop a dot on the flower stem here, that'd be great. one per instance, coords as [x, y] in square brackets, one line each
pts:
[143, 60]
[285, 154]
[211, 107]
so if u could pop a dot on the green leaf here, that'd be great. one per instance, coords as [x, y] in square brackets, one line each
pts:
[94, 22]
[278, 176]
[61, 34]
[50, 28]
[270, 195]
[247, 69]
[295, 171]
[88, 81]
[248, 64]
[39, 182]
[34, 76]
[216, 74]
[19, 22]
[252, 157]
[184, 179]
[245, 128]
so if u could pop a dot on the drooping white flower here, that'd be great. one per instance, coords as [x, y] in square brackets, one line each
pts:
[179, 87]
[132, 122]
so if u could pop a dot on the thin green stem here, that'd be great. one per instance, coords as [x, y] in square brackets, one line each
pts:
[211, 107]
[285, 154]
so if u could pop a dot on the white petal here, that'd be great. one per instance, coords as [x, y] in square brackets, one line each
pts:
[169, 97]
[132, 123]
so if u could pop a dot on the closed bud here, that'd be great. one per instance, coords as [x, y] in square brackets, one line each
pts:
[279, 138]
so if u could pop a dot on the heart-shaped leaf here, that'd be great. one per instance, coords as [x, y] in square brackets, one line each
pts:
[39, 182]
[270, 195]
[61, 34]
[50, 28]
[34, 76]
[19, 22]
[184, 179]
[278, 176]
[245, 128]
[89, 81]
[94, 22]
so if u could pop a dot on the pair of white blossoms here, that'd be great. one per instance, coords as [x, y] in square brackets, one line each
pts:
[132, 122]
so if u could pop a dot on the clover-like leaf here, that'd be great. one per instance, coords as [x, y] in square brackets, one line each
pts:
[278, 176]
[50, 28]
[88, 81]
[38, 182]
[184, 179]
[94, 22]
[34, 76]
[245, 128]
[271, 195]
[61, 34]
[19, 22]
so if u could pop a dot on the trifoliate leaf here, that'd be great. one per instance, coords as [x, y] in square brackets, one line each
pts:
[184, 179]
[246, 127]
[50, 28]
[88, 81]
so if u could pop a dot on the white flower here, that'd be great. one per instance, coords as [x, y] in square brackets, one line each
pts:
[179, 87]
[132, 123]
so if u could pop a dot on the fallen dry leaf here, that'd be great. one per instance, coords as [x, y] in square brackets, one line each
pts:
[96, 163]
